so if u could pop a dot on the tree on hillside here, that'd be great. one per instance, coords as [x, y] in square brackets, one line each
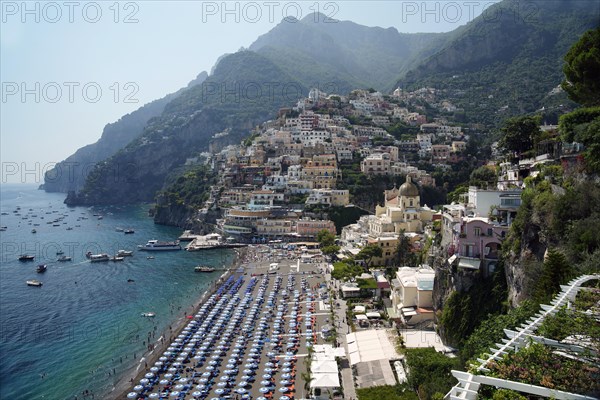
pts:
[369, 252]
[556, 272]
[582, 84]
[429, 372]
[483, 177]
[582, 70]
[330, 250]
[403, 256]
[455, 195]
[520, 134]
[325, 238]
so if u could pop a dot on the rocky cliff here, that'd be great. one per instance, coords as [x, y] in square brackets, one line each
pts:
[71, 173]
[186, 127]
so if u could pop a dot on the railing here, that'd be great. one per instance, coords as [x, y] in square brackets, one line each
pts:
[468, 384]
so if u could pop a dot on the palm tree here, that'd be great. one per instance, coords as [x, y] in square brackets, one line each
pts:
[307, 379]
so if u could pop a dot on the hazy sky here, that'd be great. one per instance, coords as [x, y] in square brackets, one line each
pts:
[68, 68]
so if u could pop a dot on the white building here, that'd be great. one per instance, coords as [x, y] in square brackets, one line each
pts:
[481, 200]
[412, 294]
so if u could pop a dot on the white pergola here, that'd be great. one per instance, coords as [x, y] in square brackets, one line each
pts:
[468, 384]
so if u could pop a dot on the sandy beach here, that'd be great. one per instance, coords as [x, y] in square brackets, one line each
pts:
[147, 359]
[274, 335]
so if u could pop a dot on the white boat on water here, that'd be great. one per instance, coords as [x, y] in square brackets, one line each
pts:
[202, 268]
[155, 245]
[124, 253]
[148, 314]
[99, 257]
[34, 282]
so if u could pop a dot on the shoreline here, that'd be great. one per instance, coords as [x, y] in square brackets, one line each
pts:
[126, 381]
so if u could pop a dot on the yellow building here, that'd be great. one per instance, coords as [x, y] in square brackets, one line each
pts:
[388, 246]
[402, 211]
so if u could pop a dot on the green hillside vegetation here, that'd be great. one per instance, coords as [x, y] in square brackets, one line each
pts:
[386, 392]
[364, 56]
[189, 189]
[429, 374]
[236, 97]
[552, 240]
[539, 365]
[463, 312]
[491, 72]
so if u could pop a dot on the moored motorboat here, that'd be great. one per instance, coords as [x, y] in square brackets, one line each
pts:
[25, 257]
[64, 258]
[148, 314]
[41, 268]
[99, 257]
[124, 253]
[34, 282]
[128, 231]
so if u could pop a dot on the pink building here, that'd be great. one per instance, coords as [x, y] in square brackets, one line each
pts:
[477, 241]
[310, 228]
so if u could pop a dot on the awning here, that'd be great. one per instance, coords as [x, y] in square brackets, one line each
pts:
[359, 309]
[469, 263]
[361, 317]
[452, 259]
[373, 314]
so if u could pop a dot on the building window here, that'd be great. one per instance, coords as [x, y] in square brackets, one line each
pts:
[477, 231]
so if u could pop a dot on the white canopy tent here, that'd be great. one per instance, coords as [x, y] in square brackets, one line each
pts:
[324, 367]
[369, 345]
[328, 380]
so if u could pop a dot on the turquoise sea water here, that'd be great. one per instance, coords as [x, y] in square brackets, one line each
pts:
[81, 329]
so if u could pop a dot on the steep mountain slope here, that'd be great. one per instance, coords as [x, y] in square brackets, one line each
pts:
[368, 56]
[492, 67]
[239, 95]
[508, 60]
[244, 89]
[71, 173]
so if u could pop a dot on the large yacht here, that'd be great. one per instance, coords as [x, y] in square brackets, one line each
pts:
[155, 245]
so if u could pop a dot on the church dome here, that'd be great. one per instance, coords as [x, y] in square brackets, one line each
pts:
[409, 189]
